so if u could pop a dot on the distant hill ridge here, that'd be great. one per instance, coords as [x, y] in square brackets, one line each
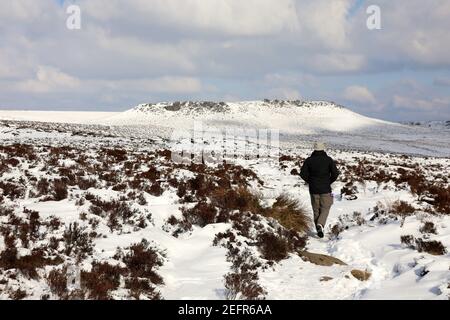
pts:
[434, 124]
[289, 116]
[212, 106]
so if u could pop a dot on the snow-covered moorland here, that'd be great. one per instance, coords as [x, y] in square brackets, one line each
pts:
[107, 206]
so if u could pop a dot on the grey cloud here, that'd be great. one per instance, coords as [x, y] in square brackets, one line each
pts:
[127, 50]
[442, 81]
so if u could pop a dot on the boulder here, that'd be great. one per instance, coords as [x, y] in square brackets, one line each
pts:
[361, 275]
[320, 259]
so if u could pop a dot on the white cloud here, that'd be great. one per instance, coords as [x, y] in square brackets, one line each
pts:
[290, 79]
[337, 62]
[158, 85]
[284, 93]
[324, 22]
[359, 94]
[182, 48]
[413, 34]
[22, 10]
[6, 68]
[421, 104]
[162, 55]
[232, 17]
[48, 79]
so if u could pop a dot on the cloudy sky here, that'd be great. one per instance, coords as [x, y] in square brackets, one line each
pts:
[134, 51]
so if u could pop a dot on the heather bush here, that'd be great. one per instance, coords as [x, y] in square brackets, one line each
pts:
[28, 264]
[408, 241]
[19, 151]
[12, 190]
[402, 209]
[57, 282]
[201, 214]
[118, 154]
[60, 191]
[139, 287]
[18, 294]
[101, 280]
[349, 191]
[43, 187]
[336, 230]
[77, 241]
[242, 281]
[428, 227]
[86, 183]
[5, 211]
[273, 247]
[142, 262]
[155, 189]
[432, 247]
[441, 198]
[13, 162]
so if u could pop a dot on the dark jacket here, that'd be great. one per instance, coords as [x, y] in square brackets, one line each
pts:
[319, 171]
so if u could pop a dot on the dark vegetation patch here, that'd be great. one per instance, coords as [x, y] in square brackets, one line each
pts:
[428, 227]
[212, 195]
[242, 281]
[134, 269]
[428, 184]
[345, 222]
[392, 211]
[402, 209]
[433, 247]
[273, 247]
[77, 241]
[24, 233]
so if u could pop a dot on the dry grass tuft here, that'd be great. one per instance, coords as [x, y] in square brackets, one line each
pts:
[290, 213]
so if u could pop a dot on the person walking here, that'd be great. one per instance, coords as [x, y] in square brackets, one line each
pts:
[319, 171]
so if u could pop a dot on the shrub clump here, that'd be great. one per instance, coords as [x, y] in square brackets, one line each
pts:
[101, 280]
[57, 282]
[402, 209]
[408, 241]
[241, 199]
[141, 262]
[242, 281]
[60, 191]
[28, 264]
[77, 241]
[273, 247]
[433, 247]
[290, 214]
[202, 214]
[134, 270]
[428, 227]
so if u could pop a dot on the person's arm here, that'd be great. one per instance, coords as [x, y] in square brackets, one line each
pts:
[334, 172]
[304, 171]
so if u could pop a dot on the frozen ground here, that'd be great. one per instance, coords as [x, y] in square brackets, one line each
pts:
[79, 117]
[396, 270]
[102, 162]
[298, 123]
